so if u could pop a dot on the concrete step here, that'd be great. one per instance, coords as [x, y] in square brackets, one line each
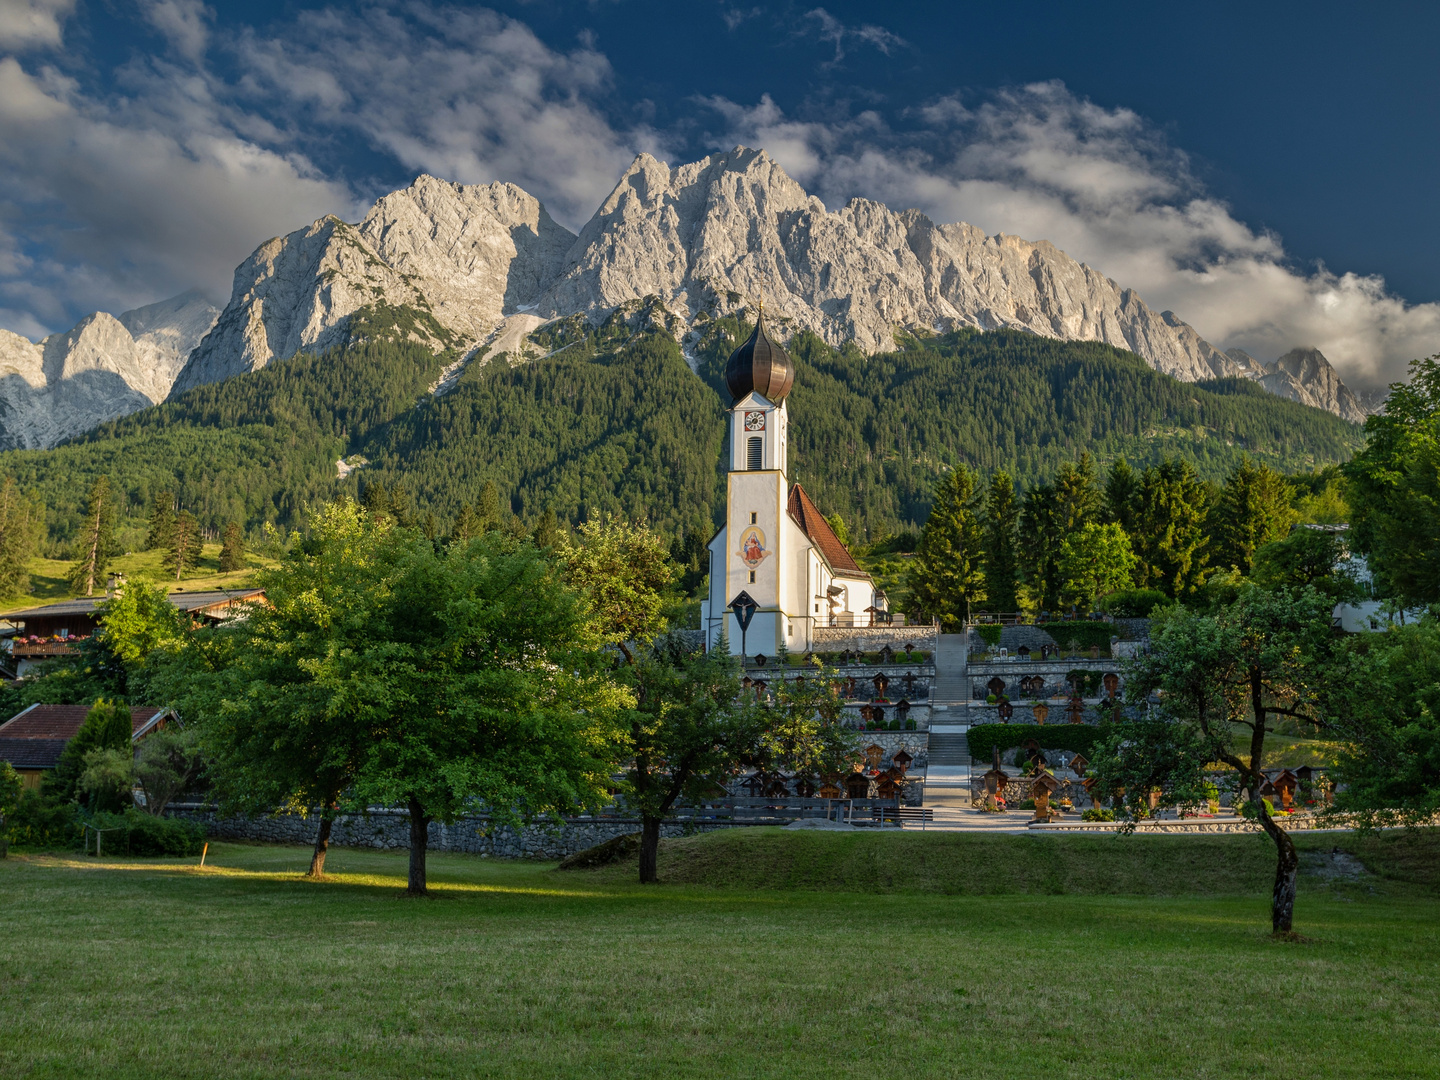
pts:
[946, 748]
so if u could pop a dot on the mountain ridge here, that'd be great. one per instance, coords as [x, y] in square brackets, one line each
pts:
[703, 239]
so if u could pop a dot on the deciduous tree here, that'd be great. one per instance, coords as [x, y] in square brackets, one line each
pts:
[1394, 489]
[686, 733]
[1095, 562]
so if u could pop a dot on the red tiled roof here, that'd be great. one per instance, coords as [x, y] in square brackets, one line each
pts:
[814, 525]
[62, 721]
[32, 753]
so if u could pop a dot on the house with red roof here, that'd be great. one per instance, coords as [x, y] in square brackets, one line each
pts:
[33, 739]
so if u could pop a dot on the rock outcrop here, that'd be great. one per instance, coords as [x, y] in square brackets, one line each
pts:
[468, 254]
[101, 368]
[687, 243]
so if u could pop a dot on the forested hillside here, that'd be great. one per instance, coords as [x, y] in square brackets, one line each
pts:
[615, 420]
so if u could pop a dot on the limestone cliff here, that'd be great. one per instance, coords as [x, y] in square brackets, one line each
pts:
[101, 368]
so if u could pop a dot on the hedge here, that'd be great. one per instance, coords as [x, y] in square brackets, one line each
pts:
[1081, 738]
[1083, 633]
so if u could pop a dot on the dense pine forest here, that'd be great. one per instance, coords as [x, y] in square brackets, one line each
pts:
[615, 419]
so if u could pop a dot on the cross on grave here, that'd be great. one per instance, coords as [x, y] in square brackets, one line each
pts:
[887, 655]
[1078, 764]
[1006, 710]
[1076, 711]
[909, 681]
[1112, 684]
[878, 713]
[881, 681]
[873, 754]
[996, 685]
[760, 660]
[1040, 712]
[1023, 652]
[902, 710]
[902, 760]
[850, 691]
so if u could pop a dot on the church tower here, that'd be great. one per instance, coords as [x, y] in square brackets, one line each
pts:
[758, 375]
[775, 547]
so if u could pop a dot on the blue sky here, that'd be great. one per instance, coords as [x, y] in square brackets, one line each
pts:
[1264, 170]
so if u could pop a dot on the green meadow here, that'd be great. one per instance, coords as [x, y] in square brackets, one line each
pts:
[765, 954]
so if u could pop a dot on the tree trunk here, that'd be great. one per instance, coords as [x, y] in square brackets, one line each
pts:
[649, 850]
[1287, 864]
[322, 843]
[419, 838]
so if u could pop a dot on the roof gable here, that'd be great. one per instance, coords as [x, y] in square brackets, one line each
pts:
[63, 721]
[813, 524]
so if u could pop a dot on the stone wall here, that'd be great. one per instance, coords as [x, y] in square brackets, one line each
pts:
[390, 829]
[872, 638]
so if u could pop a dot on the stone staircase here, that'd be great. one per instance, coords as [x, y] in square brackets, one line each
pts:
[947, 773]
[948, 748]
[951, 681]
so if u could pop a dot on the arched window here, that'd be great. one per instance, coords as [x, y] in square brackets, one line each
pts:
[755, 452]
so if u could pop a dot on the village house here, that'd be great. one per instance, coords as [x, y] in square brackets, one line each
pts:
[33, 739]
[37, 634]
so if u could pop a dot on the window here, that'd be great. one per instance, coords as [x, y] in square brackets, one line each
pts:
[752, 577]
[755, 451]
[754, 518]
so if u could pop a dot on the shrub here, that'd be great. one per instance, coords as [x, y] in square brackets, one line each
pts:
[1133, 603]
[138, 833]
[37, 822]
[1098, 813]
[989, 633]
[1083, 633]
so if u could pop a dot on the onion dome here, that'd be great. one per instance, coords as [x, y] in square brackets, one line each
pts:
[762, 365]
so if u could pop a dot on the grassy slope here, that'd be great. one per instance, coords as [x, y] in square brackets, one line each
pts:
[977, 864]
[49, 578]
[151, 969]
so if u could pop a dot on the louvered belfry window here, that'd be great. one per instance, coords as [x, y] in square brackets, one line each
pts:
[755, 453]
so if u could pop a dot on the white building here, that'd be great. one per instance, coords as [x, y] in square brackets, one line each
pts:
[775, 547]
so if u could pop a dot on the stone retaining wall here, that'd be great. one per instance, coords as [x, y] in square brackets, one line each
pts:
[390, 829]
[871, 638]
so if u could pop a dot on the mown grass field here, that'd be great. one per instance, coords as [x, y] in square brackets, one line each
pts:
[155, 968]
[50, 578]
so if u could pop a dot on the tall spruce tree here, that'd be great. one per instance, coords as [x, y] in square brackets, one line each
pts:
[946, 578]
[96, 542]
[184, 553]
[1122, 495]
[232, 549]
[21, 518]
[1170, 535]
[1252, 510]
[162, 521]
[1041, 534]
[1002, 522]
[1077, 490]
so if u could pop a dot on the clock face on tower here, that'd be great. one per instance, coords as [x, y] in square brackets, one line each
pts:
[755, 421]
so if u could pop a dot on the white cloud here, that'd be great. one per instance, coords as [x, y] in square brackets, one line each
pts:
[466, 94]
[184, 24]
[28, 23]
[837, 34]
[1103, 185]
[116, 202]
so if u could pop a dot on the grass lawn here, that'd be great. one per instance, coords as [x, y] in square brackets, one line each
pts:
[154, 968]
[50, 578]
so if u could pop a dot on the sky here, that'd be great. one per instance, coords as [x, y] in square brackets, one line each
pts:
[1265, 170]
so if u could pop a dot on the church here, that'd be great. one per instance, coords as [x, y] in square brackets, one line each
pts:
[775, 547]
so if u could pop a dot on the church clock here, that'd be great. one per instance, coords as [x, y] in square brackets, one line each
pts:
[755, 421]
